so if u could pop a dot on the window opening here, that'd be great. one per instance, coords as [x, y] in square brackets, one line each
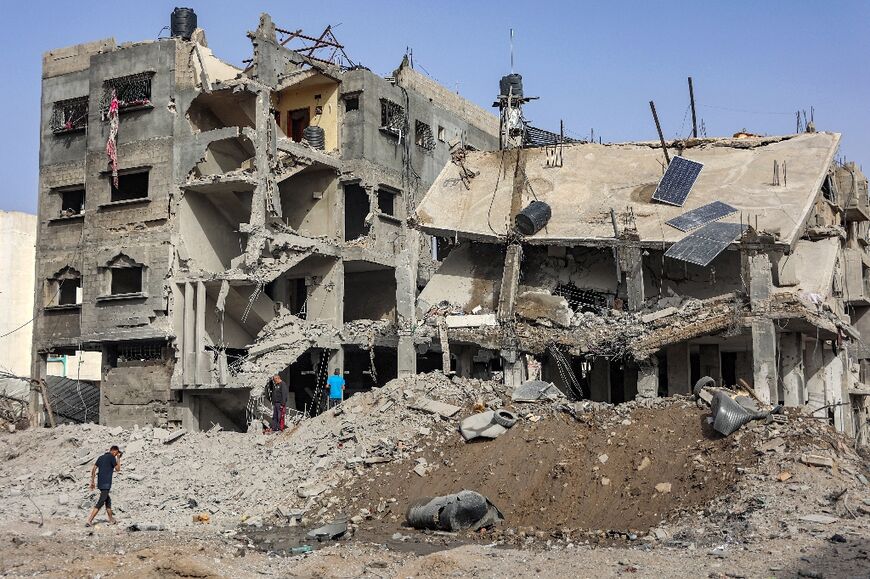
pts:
[423, 136]
[392, 117]
[70, 292]
[130, 186]
[351, 103]
[72, 202]
[127, 352]
[356, 209]
[386, 202]
[131, 91]
[69, 115]
[126, 280]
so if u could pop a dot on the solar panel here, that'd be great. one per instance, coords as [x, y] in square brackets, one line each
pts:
[677, 181]
[702, 246]
[697, 217]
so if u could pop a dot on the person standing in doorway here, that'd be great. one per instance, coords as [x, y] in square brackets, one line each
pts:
[336, 388]
[102, 471]
[279, 392]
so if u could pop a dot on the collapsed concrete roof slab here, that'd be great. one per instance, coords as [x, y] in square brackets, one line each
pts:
[593, 179]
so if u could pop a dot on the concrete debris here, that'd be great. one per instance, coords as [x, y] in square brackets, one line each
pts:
[433, 406]
[489, 424]
[816, 460]
[470, 321]
[536, 390]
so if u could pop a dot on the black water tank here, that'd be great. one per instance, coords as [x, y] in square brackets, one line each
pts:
[183, 22]
[533, 218]
[509, 81]
[315, 136]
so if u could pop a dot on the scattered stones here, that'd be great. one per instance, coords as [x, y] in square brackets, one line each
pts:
[816, 460]
[644, 463]
[663, 487]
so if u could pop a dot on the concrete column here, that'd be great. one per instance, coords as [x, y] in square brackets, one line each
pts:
[764, 367]
[336, 360]
[711, 363]
[188, 337]
[814, 371]
[510, 282]
[834, 377]
[760, 281]
[407, 356]
[648, 378]
[514, 368]
[599, 380]
[792, 368]
[634, 278]
[679, 369]
[203, 362]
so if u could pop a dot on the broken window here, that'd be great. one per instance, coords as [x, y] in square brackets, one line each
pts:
[583, 300]
[356, 210]
[135, 353]
[423, 136]
[132, 91]
[386, 201]
[69, 115]
[65, 288]
[351, 103]
[126, 280]
[72, 201]
[130, 186]
[392, 117]
[442, 134]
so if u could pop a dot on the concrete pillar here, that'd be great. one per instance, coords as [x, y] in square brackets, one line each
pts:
[760, 282]
[792, 368]
[633, 258]
[188, 337]
[834, 377]
[679, 369]
[203, 362]
[648, 378]
[510, 282]
[407, 355]
[514, 368]
[599, 380]
[764, 367]
[336, 360]
[711, 363]
[814, 371]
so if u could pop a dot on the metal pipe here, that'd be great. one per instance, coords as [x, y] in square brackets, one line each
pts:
[652, 106]
[692, 101]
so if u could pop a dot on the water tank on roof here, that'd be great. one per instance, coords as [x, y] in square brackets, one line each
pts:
[182, 23]
[510, 81]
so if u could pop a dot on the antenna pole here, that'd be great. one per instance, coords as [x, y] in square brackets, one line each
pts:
[652, 107]
[692, 101]
[512, 50]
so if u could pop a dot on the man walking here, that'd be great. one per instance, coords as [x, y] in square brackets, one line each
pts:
[106, 465]
[336, 388]
[279, 392]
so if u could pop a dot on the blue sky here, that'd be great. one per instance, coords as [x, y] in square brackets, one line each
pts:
[593, 64]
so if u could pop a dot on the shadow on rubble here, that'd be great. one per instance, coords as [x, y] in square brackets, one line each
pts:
[842, 555]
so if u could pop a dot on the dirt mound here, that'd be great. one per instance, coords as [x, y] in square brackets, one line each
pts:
[558, 472]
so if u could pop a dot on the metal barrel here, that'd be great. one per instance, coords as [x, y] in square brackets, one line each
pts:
[511, 81]
[315, 136]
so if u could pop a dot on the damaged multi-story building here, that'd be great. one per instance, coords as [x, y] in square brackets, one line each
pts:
[632, 270]
[204, 226]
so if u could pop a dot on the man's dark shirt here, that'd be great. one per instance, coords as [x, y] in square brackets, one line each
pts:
[105, 467]
[279, 393]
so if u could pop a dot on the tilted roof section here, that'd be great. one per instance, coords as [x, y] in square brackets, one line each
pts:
[594, 178]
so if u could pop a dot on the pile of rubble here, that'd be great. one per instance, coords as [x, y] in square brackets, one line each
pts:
[170, 476]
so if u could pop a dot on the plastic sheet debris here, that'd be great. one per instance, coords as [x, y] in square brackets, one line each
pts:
[146, 527]
[333, 530]
[489, 424]
[463, 510]
[536, 390]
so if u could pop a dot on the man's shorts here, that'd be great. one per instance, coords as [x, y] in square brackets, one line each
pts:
[333, 402]
[104, 499]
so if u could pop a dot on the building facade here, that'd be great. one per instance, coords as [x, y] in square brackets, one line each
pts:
[203, 227]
